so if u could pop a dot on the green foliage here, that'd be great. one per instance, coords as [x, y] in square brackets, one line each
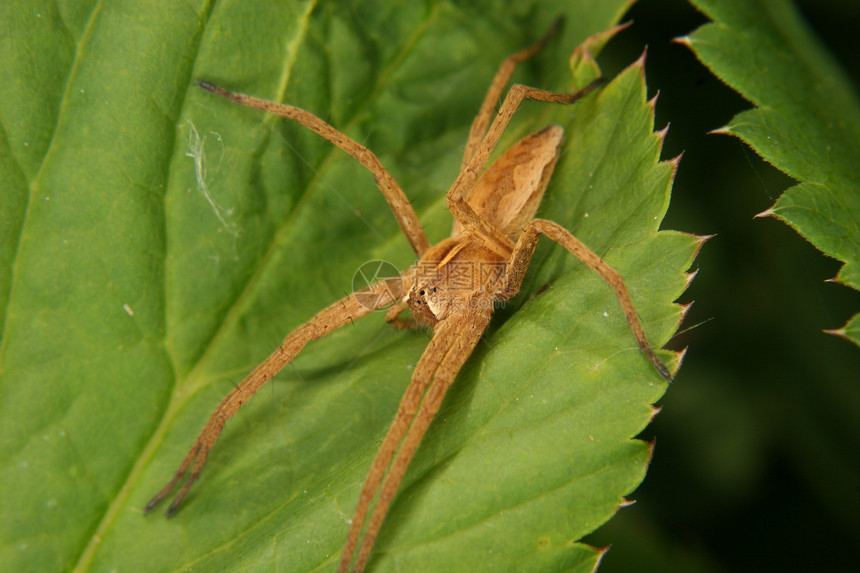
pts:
[158, 242]
[806, 121]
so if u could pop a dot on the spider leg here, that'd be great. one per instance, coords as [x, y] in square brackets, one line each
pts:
[500, 80]
[400, 207]
[454, 339]
[456, 198]
[521, 258]
[341, 313]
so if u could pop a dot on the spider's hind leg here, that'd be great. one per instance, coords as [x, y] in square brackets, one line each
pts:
[358, 304]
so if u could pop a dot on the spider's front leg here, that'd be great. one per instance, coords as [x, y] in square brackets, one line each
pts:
[491, 99]
[341, 313]
[522, 256]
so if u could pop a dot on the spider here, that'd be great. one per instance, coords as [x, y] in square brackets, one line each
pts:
[451, 289]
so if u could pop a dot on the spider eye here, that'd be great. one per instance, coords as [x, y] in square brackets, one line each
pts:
[421, 292]
[433, 289]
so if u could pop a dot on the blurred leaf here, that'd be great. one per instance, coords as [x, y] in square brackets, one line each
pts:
[806, 121]
[158, 242]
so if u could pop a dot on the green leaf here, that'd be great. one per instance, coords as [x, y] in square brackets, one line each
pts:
[806, 121]
[159, 242]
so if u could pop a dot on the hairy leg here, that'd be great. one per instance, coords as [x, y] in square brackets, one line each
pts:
[424, 371]
[400, 207]
[521, 258]
[500, 80]
[453, 342]
[460, 209]
[341, 313]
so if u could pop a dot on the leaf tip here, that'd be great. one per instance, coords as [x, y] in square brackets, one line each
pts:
[661, 133]
[626, 503]
[701, 240]
[684, 41]
[847, 331]
[766, 213]
[678, 361]
[835, 332]
[640, 61]
[600, 551]
[650, 444]
[688, 280]
[725, 130]
[582, 53]
[685, 307]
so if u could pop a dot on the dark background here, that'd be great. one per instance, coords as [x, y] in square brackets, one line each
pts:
[756, 465]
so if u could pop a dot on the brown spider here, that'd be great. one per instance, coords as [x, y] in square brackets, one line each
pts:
[489, 250]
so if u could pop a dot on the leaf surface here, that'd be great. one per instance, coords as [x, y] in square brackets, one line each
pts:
[159, 242]
[806, 121]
